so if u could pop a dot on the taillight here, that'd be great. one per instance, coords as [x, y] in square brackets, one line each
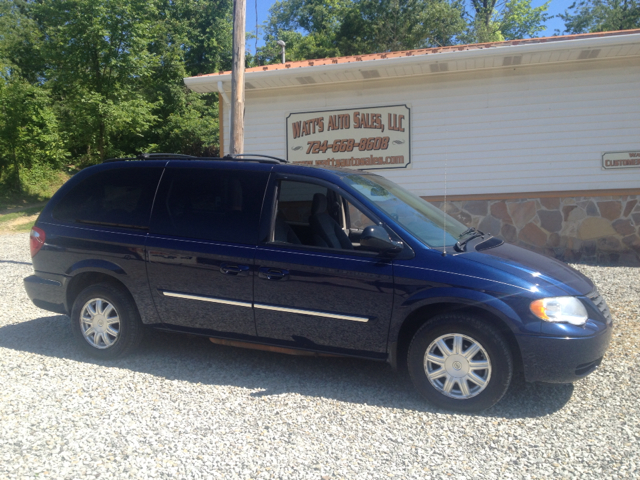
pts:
[36, 240]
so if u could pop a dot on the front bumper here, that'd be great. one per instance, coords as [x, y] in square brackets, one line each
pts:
[564, 359]
[47, 292]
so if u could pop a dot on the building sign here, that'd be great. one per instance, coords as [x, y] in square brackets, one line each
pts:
[363, 138]
[613, 160]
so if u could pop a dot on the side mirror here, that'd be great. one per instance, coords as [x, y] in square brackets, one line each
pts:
[376, 239]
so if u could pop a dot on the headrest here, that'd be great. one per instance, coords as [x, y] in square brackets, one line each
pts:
[319, 205]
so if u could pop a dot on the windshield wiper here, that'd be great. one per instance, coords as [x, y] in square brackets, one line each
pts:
[472, 232]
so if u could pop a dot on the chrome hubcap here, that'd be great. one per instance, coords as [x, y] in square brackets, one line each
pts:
[100, 323]
[457, 366]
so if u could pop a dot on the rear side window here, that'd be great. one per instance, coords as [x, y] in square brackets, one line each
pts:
[210, 205]
[119, 197]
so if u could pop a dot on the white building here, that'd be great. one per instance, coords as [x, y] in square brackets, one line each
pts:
[539, 139]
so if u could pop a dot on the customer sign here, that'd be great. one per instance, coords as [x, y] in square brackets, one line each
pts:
[614, 160]
[363, 138]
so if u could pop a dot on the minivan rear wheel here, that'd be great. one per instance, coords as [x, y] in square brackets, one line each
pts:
[106, 322]
[460, 362]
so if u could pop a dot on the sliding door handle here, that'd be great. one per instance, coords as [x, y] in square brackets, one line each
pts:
[234, 269]
[267, 273]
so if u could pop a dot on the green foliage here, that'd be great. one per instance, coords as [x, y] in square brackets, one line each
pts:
[601, 16]
[87, 79]
[199, 31]
[392, 25]
[29, 135]
[9, 217]
[20, 42]
[520, 20]
[309, 28]
[38, 185]
[319, 16]
[191, 129]
[25, 227]
[321, 29]
[494, 21]
[98, 61]
[484, 25]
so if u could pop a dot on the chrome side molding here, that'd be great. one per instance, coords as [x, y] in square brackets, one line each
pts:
[206, 299]
[311, 312]
[263, 306]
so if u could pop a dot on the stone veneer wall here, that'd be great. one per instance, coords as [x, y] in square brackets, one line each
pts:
[592, 229]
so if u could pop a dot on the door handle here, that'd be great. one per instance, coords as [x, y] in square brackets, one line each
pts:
[268, 273]
[234, 269]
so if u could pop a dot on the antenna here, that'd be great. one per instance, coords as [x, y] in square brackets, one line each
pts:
[444, 211]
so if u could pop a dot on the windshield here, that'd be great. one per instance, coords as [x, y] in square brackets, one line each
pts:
[417, 216]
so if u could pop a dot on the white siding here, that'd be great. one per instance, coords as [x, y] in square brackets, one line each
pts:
[526, 129]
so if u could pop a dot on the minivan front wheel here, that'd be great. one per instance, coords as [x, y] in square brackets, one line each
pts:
[459, 362]
[105, 321]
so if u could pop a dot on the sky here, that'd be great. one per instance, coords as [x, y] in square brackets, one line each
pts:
[555, 7]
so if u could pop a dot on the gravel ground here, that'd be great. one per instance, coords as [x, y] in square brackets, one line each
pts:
[181, 407]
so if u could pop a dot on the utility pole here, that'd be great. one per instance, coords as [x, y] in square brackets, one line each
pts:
[237, 78]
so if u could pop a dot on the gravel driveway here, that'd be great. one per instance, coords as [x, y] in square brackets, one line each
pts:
[181, 407]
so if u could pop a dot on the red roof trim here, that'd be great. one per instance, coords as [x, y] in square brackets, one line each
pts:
[424, 51]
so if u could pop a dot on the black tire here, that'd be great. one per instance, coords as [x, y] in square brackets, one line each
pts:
[453, 388]
[109, 338]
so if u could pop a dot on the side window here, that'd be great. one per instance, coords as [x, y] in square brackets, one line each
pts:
[117, 197]
[357, 219]
[210, 204]
[310, 214]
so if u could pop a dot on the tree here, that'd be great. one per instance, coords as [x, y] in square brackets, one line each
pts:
[194, 37]
[309, 28]
[321, 29]
[494, 21]
[97, 78]
[97, 60]
[192, 128]
[29, 134]
[391, 25]
[202, 30]
[601, 16]
[520, 20]
[20, 41]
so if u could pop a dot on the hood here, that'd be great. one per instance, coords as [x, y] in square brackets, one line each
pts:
[526, 264]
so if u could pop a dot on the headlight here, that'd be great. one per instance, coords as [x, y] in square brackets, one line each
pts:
[560, 310]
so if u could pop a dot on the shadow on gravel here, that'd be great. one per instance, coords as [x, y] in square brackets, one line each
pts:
[15, 262]
[196, 360]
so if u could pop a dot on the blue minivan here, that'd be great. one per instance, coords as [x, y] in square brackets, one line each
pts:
[255, 251]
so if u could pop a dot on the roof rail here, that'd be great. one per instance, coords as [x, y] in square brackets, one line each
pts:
[269, 158]
[178, 156]
[151, 156]
[119, 159]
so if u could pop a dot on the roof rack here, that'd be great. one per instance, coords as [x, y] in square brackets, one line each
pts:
[151, 156]
[268, 158]
[119, 159]
[178, 156]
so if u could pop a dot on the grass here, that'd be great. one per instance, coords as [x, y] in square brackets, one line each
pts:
[24, 227]
[23, 213]
[32, 192]
[16, 208]
[19, 221]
